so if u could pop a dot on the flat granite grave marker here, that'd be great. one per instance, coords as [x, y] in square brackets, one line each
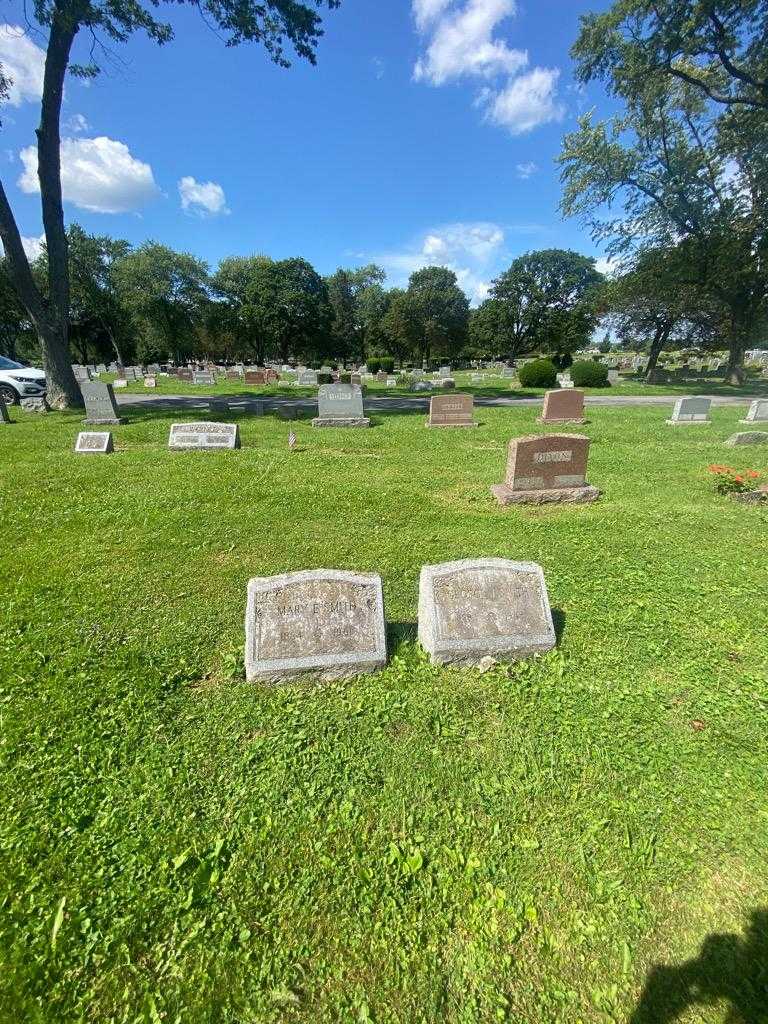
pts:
[327, 622]
[451, 411]
[100, 405]
[208, 436]
[546, 468]
[758, 412]
[691, 412]
[92, 442]
[748, 437]
[340, 405]
[564, 406]
[485, 607]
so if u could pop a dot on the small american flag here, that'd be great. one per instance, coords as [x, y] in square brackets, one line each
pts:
[291, 440]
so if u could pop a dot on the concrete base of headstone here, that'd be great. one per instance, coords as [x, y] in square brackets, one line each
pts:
[748, 437]
[552, 496]
[330, 421]
[450, 426]
[751, 423]
[688, 423]
[540, 419]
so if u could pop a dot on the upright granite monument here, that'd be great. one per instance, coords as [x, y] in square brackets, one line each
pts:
[451, 411]
[100, 405]
[691, 412]
[549, 468]
[326, 622]
[758, 412]
[484, 607]
[340, 405]
[564, 406]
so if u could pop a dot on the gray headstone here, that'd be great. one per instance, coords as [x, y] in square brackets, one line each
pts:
[485, 607]
[340, 405]
[91, 442]
[120, 382]
[307, 378]
[203, 377]
[451, 411]
[34, 405]
[690, 411]
[327, 622]
[209, 436]
[4, 417]
[100, 405]
[758, 412]
[748, 437]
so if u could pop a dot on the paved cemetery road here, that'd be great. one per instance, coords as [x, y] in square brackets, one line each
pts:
[249, 401]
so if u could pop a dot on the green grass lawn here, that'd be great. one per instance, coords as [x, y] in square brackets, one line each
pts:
[533, 844]
[491, 387]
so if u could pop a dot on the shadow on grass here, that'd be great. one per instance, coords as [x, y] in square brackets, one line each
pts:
[729, 968]
[400, 633]
[558, 621]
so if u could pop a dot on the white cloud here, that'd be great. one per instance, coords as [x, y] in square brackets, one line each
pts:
[32, 246]
[23, 63]
[96, 174]
[526, 101]
[77, 123]
[605, 265]
[462, 41]
[204, 198]
[472, 250]
[526, 170]
[379, 67]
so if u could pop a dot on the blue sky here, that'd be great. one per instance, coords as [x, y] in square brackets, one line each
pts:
[427, 133]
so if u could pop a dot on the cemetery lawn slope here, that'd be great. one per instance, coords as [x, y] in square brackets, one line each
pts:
[580, 837]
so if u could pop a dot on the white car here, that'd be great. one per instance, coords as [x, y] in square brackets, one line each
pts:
[17, 381]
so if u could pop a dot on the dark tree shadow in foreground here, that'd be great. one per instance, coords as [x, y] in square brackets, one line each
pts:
[729, 968]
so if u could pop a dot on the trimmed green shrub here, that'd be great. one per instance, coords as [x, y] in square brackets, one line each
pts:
[388, 364]
[539, 373]
[345, 378]
[374, 365]
[586, 374]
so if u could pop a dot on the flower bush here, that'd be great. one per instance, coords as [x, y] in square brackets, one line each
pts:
[729, 481]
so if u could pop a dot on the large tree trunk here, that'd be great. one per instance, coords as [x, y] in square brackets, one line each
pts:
[62, 387]
[658, 343]
[734, 373]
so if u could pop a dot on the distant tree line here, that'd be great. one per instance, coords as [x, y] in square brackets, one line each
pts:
[151, 304]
